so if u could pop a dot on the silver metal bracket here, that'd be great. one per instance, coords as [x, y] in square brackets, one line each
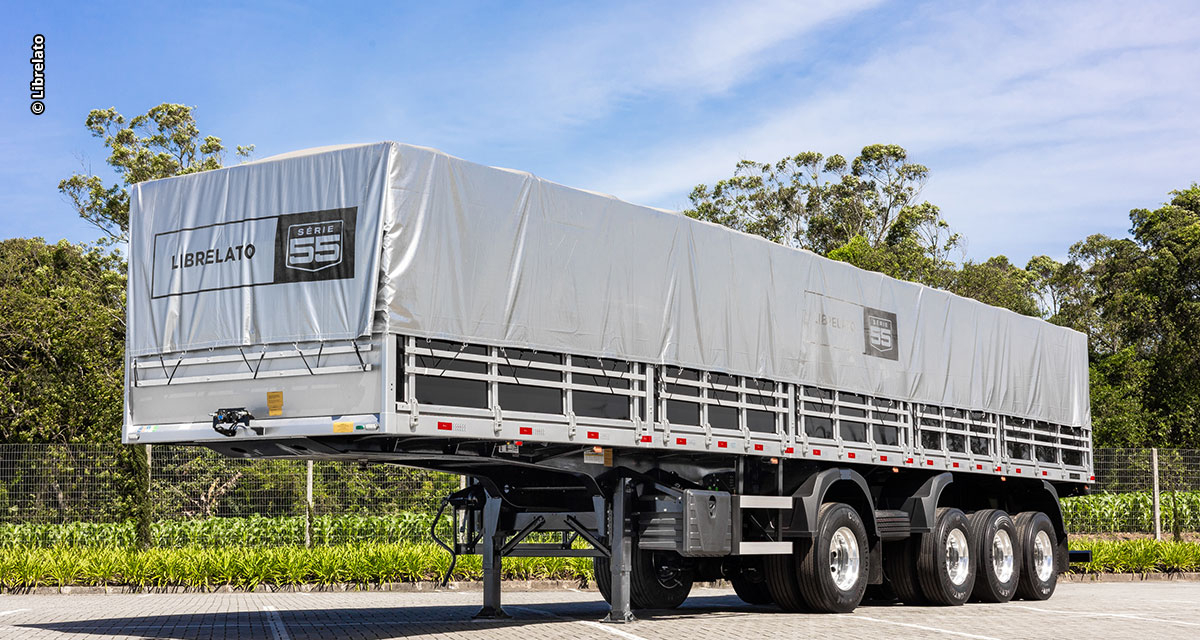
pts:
[497, 419]
[414, 414]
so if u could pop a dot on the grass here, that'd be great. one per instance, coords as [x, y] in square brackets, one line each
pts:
[1137, 556]
[249, 567]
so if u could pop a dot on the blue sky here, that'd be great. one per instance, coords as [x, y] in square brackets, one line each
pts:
[1042, 122]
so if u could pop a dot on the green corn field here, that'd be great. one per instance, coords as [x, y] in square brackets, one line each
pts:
[1097, 513]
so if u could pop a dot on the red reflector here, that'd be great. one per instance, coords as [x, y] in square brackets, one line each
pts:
[1044, 473]
[883, 458]
[816, 452]
[721, 444]
[1092, 478]
[909, 461]
[680, 440]
[446, 426]
[955, 465]
[758, 447]
[788, 450]
[1018, 471]
[929, 462]
[979, 467]
[593, 435]
[850, 454]
[998, 468]
[647, 438]
[518, 442]
[526, 431]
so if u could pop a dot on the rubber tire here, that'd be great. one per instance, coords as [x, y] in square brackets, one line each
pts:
[603, 570]
[783, 578]
[751, 592]
[645, 591]
[900, 567]
[931, 566]
[816, 583]
[983, 525]
[1029, 587]
[750, 582]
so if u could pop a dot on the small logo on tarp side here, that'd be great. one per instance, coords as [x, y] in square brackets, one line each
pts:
[879, 332]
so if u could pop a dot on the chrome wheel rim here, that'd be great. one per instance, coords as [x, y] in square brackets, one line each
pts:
[844, 560]
[1002, 556]
[1043, 556]
[958, 557]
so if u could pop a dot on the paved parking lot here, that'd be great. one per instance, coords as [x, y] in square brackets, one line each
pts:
[1157, 611]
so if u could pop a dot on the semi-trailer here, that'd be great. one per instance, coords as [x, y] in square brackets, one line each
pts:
[674, 399]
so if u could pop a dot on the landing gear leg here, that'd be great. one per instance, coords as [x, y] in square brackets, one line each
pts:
[621, 546]
[493, 538]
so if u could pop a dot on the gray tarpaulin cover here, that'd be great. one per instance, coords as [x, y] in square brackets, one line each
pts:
[345, 238]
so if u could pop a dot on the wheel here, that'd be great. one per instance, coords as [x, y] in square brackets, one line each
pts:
[783, 581]
[750, 583]
[833, 571]
[995, 544]
[900, 567]
[1036, 546]
[944, 565]
[603, 570]
[657, 579]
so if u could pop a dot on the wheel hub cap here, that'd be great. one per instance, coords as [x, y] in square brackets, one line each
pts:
[1043, 556]
[1002, 556]
[958, 557]
[844, 560]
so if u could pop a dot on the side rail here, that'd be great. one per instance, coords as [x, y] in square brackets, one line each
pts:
[474, 390]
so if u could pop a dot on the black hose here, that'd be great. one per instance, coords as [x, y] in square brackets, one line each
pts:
[433, 534]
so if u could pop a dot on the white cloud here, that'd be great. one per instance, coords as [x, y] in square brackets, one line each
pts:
[575, 73]
[1041, 124]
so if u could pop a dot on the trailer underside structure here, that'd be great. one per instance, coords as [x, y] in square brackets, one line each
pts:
[705, 475]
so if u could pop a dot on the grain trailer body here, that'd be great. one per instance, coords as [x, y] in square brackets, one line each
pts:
[737, 408]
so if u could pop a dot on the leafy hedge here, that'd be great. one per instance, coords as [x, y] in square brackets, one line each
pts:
[1131, 512]
[248, 567]
[371, 564]
[254, 531]
[1137, 556]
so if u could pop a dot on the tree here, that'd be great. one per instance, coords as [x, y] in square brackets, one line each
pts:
[1138, 299]
[160, 143]
[866, 211]
[997, 282]
[62, 330]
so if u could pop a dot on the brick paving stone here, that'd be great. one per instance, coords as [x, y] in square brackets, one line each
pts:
[1160, 610]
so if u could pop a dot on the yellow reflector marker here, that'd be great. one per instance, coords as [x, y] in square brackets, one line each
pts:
[275, 403]
[343, 427]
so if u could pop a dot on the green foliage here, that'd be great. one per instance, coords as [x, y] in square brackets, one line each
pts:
[220, 532]
[1131, 512]
[160, 143]
[866, 211]
[1136, 298]
[62, 330]
[248, 567]
[1137, 556]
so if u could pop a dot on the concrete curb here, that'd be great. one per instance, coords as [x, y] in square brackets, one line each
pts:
[1131, 577]
[509, 585]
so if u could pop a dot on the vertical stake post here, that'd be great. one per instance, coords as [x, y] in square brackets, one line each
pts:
[308, 508]
[1157, 506]
[621, 554]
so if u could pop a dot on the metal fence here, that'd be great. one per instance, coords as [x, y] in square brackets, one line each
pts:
[1140, 491]
[53, 494]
